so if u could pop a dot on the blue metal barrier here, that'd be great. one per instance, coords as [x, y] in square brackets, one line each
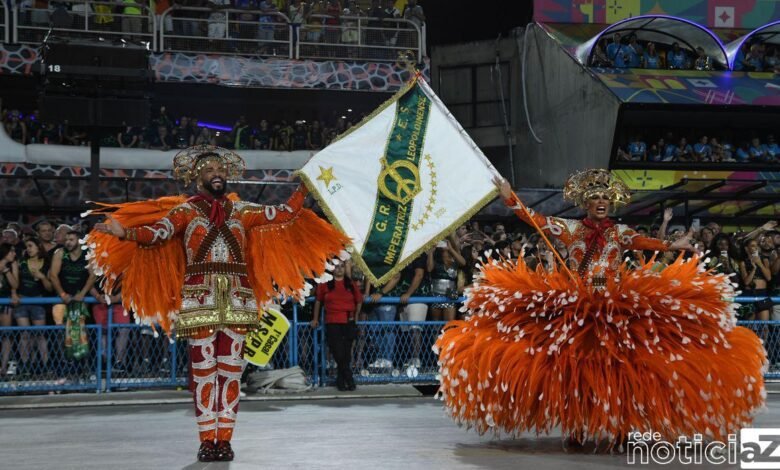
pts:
[129, 356]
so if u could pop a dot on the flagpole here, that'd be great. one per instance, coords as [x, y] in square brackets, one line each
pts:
[544, 237]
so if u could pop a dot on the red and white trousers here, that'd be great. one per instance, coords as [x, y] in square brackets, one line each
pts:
[216, 362]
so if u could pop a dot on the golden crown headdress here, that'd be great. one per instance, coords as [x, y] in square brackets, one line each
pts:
[188, 163]
[582, 185]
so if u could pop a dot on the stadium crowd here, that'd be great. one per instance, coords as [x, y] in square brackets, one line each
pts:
[739, 148]
[165, 132]
[46, 260]
[253, 23]
[629, 52]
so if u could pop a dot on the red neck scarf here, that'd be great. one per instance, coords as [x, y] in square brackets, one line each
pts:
[217, 216]
[597, 231]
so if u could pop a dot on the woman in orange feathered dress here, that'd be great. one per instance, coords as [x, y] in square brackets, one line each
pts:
[604, 350]
[204, 266]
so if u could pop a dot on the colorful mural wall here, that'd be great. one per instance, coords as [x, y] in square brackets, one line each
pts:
[692, 86]
[736, 180]
[248, 72]
[742, 14]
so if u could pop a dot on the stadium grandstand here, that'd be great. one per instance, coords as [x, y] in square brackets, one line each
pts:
[680, 100]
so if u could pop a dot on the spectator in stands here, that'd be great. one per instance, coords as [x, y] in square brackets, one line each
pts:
[33, 124]
[723, 255]
[717, 151]
[45, 231]
[316, 138]
[266, 30]
[684, 151]
[756, 277]
[676, 58]
[300, 138]
[282, 140]
[296, 15]
[241, 135]
[650, 57]
[349, 34]
[705, 236]
[657, 150]
[634, 52]
[703, 61]
[9, 280]
[16, 128]
[390, 28]
[60, 234]
[342, 300]
[758, 151]
[772, 59]
[616, 53]
[263, 136]
[10, 236]
[599, 57]
[184, 137]
[702, 152]
[133, 15]
[49, 133]
[162, 140]
[314, 19]
[128, 137]
[414, 13]
[411, 281]
[69, 275]
[740, 61]
[332, 23]
[217, 23]
[71, 136]
[772, 149]
[637, 149]
[205, 137]
[112, 303]
[755, 58]
[742, 154]
[446, 262]
[183, 25]
[33, 283]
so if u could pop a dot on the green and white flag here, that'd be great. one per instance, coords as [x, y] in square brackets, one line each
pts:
[400, 181]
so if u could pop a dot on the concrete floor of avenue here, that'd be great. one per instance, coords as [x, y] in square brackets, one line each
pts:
[347, 433]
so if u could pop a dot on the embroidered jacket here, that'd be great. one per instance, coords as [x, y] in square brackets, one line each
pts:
[599, 260]
[216, 292]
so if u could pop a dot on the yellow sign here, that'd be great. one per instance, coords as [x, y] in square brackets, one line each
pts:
[260, 345]
[406, 189]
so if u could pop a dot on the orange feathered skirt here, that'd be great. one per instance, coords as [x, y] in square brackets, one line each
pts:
[656, 351]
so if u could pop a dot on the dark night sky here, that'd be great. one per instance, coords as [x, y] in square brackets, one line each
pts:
[451, 21]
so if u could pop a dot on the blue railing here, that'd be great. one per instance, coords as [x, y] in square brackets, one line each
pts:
[127, 355]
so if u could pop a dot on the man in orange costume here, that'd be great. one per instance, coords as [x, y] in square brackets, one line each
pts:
[225, 248]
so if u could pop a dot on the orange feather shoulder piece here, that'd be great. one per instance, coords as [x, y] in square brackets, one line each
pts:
[151, 277]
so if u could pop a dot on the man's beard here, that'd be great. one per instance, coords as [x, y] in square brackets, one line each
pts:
[215, 192]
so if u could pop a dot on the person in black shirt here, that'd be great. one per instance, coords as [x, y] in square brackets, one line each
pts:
[300, 139]
[32, 283]
[263, 136]
[129, 137]
[241, 135]
[316, 139]
[9, 277]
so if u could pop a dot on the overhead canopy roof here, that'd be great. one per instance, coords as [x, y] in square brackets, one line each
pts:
[663, 30]
[769, 33]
